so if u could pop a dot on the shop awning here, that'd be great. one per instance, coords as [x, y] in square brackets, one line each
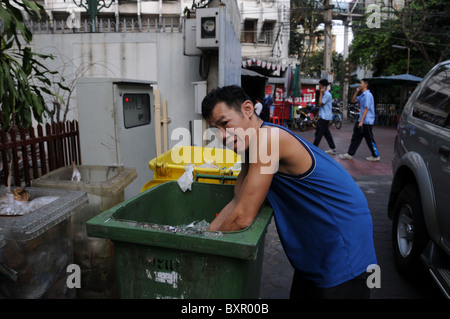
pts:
[246, 72]
[395, 79]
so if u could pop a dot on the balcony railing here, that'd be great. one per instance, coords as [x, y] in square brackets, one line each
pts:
[133, 25]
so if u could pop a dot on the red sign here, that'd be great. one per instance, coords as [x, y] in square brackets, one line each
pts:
[268, 89]
[308, 96]
[279, 95]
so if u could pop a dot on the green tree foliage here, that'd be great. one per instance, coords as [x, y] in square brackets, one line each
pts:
[422, 25]
[23, 77]
[426, 26]
[304, 19]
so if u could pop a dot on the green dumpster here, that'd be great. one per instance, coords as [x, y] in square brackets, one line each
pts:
[157, 256]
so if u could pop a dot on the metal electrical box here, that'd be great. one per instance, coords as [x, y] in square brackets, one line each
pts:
[207, 28]
[117, 127]
[189, 38]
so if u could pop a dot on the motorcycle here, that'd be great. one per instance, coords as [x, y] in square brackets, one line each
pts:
[307, 117]
[353, 111]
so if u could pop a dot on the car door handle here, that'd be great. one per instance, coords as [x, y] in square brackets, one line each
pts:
[444, 150]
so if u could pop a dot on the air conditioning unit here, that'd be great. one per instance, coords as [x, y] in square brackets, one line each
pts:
[207, 28]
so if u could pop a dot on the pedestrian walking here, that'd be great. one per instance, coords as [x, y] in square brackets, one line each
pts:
[325, 116]
[363, 127]
[322, 216]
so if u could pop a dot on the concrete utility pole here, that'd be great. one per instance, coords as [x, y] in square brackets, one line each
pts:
[346, 68]
[347, 21]
[327, 54]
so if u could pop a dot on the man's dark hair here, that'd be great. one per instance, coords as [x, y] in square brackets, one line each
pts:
[233, 96]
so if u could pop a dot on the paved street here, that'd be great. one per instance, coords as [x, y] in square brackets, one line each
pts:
[374, 180]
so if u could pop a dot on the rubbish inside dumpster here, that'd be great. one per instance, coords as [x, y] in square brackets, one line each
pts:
[18, 202]
[196, 227]
[186, 180]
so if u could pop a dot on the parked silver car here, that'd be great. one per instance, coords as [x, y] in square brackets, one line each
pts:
[419, 202]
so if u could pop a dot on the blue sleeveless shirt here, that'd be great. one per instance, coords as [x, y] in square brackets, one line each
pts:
[323, 220]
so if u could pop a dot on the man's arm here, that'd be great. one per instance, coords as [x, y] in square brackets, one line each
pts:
[320, 99]
[243, 208]
[355, 95]
[364, 104]
[322, 92]
[366, 110]
[250, 191]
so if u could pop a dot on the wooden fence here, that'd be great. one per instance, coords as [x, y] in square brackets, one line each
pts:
[35, 152]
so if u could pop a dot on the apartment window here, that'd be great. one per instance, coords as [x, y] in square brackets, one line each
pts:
[266, 36]
[249, 31]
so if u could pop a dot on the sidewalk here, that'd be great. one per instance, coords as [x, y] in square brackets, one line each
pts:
[384, 137]
[277, 271]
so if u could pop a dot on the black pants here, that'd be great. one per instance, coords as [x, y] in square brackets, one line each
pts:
[324, 130]
[355, 288]
[358, 134]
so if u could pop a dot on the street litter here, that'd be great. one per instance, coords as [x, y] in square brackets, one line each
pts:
[185, 181]
[76, 175]
[17, 202]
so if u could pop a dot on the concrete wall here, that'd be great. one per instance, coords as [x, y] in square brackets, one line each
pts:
[230, 57]
[138, 56]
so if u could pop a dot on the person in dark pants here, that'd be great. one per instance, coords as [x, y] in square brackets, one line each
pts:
[325, 116]
[363, 127]
[355, 288]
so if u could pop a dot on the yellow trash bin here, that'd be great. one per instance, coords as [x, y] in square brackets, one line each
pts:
[170, 165]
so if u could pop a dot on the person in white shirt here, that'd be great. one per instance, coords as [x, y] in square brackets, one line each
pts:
[258, 107]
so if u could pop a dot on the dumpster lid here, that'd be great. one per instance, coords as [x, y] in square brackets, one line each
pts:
[31, 225]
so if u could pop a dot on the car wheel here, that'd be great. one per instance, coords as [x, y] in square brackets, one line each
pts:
[409, 235]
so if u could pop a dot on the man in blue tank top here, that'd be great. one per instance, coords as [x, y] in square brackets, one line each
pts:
[322, 216]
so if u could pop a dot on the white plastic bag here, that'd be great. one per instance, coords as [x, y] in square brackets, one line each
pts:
[185, 181]
[236, 167]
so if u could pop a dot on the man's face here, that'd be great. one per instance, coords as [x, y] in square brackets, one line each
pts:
[232, 125]
[363, 85]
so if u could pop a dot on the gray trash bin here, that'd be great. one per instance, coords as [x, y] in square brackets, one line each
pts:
[105, 187]
[37, 247]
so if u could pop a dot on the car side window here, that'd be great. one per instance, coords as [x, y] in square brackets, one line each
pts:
[433, 103]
